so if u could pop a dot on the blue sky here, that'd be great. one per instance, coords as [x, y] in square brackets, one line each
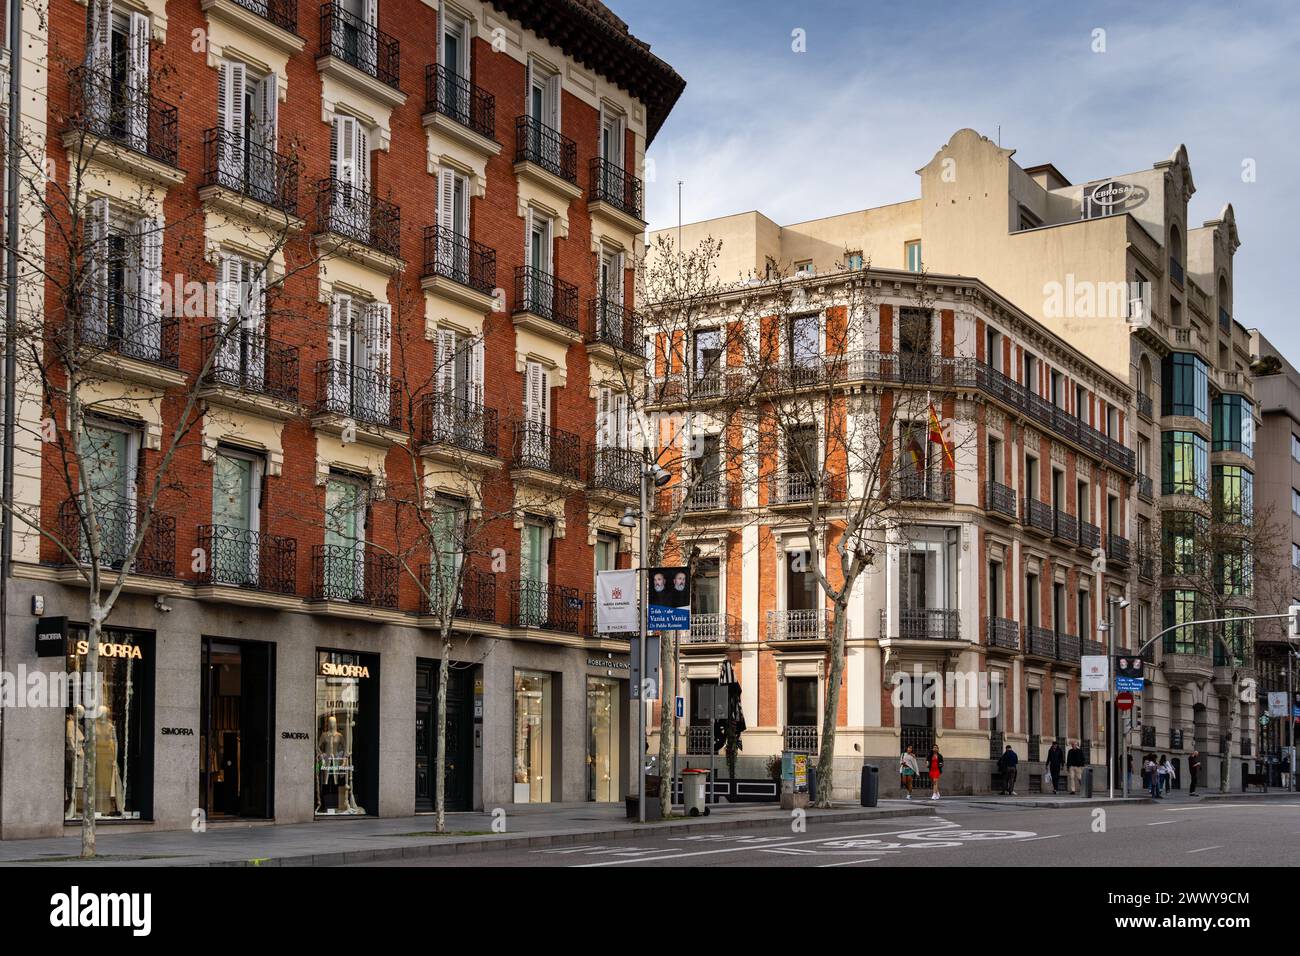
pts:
[882, 86]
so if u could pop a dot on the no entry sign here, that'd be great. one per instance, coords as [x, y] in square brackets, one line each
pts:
[1124, 701]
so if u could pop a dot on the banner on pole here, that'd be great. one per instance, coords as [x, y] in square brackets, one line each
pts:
[616, 602]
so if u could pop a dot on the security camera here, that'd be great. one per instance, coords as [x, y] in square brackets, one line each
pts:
[160, 604]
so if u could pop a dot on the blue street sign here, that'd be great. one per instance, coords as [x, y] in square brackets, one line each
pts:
[681, 707]
[1131, 684]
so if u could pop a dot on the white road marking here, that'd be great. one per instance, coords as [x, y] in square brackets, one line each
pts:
[1032, 839]
[1204, 848]
[1160, 823]
[849, 862]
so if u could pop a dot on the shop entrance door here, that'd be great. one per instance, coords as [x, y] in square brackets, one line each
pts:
[235, 729]
[460, 736]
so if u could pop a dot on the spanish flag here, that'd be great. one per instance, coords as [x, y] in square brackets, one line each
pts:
[936, 436]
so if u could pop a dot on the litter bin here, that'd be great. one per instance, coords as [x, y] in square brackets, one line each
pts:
[695, 783]
[1087, 781]
[870, 785]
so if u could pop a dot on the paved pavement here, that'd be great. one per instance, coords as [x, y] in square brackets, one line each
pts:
[518, 830]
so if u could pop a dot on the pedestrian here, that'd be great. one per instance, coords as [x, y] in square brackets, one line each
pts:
[1074, 764]
[936, 768]
[1128, 772]
[1170, 774]
[1151, 776]
[1007, 764]
[908, 770]
[1193, 772]
[1162, 775]
[1055, 761]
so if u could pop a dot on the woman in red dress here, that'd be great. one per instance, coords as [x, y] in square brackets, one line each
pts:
[936, 768]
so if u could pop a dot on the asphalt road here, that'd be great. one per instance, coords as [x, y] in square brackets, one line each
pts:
[1211, 834]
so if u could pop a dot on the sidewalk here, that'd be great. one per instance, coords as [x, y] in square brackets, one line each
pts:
[366, 840]
[1099, 798]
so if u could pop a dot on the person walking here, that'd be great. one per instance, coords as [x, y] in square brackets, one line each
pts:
[1128, 772]
[1055, 761]
[1193, 772]
[1162, 775]
[908, 770]
[1170, 773]
[1007, 765]
[1074, 764]
[1151, 776]
[936, 768]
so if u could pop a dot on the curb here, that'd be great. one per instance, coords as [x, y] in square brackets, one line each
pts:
[452, 846]
[1063, 804]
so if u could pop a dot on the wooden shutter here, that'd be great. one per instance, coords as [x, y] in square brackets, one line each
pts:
[340, 347]
[99, 23]
[604, 425]
[476, 389]
[620, 421]
[446, 375]
[254, 323]
[446, 199]
[228, 275]
[138, 78]
[268, 105]
[96, 266]
[361, 156]
[379, 335]
[149, 276]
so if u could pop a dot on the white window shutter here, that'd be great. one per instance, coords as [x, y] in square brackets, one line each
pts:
[99, 19]
[544, 388]
[379, 340]
[227, 357]
[620, 421]
[223, 112]
[603, 426]
[553, 94]
[446, 377]
[149, 311]
[362, 156]
[138, 78]
[446, 199]
[96, 265]
[340, 345]
[476, 391]
[528, 89]
[270, 104]
[254, 326]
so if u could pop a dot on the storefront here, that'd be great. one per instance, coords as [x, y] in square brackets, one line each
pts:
[123, 745]
[237, 704]
[347, 733]
[537, 738]
[606, 709]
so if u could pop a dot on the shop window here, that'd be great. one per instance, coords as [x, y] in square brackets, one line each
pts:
[534, 734]
[347, 733]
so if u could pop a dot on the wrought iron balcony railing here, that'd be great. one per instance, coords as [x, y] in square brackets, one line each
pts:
[358, 44]
[1040, 641]
[250, 169]
[244, 558]
[113, 111]
[612, 184]
[920, 487]
[1144, 487]
[116, 523]
[800, 488]
[1118, 551]
[542, 447]
[1144, 404]
[613, 324]
[801, 625]
[1089, 536]
[544, 605]
[354, 213]
[251, 362]
[283, 13]
[354, 574]
[923, 624]
[1000, 499]
[700, 740]
[1067, 648]
[535, 142]
[477, 600]
[614, 469]
[367, 395]
[448, 420]
[709, 494]
[799, 738]
[454, 96]
[122, 322]
[1004, 633]
[1176, 271]
[1038, 515]
[714, 628]
[452, 256]
[1066, 527]
[547, 296]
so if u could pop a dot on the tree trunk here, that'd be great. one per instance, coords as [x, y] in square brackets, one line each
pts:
[90, 672]
[440, 747]
[826, 758]
[667, 720]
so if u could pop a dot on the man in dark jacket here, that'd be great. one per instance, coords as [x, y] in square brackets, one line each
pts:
[1193, 771]
[1007, 764]
[1055, 761]
[1075, 761]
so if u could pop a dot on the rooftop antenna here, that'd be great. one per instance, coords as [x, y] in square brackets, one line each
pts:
[999, 134]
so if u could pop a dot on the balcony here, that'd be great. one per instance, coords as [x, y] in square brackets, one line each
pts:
[616, 188]
[1144, 405]
[1176, 272]
[709, 495]
[282, 13]
[1089, 537]
[812, 624]
[1067, 648]
[459, 267]
[922, 624]
[249, 362]
[612, 324]
[243, 558]
[799, 739]
[1146, 565]
[1038, 516]
[543, 449]
[447, 93]
[1225, 321]
[359, 217]
[458, 424]
[349, 39]
[353, 574]
[364, 395]
[1144, 488]
[1186, 663]
[1066, 527]
[935, 489]
[137, 122]
[116, 523]
[1000, 500]
[1003, 634]
[1091, 648]
[122, 323]
[1040, 642]
[536, 604]
[714, 628]
[250, 171]
[1117, 550]
[477, 600]
[542, 296]
[547, 149]
[799, 488]
[615, 471]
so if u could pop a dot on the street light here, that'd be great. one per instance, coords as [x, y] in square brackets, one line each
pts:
[1112, 735]
[651, 473]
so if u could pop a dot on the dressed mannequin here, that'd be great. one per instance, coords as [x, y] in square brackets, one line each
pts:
[74, 756]
[331, 749]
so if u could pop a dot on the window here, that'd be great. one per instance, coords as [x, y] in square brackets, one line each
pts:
[1056, 382]
[459, 374]
[544, 103]
[801, 702]
[912, 255]
[1084, 613]
[804, 268]
[854, 262]
[456, 47]
[448, 520]
[708, 353]
[344, 573]
[707, 596]
[611, 276]
[1027, 218]
[995, 589]
[361, 334]
[246, 124]
[1235, 570]
[1031, 477]
[1029, 366]
[1186, 386]
[1032, 618]
[606, 557]
[107, 455]
[1234, 493]
[240, 360]
[123, 310]
[1081, 404]
[1186, 464]
[355, 21]
[453, 218]
[236, 512]
[995, 459]
[1295, 447]
[1185, 540]
[800, 584]
[1295, 501]
[536, 446]
[539, 250]
[534, 730]
[993, 349]
[117, 55]
[612, 124]
[927, 580]
[1234, 424]
[1295, 555]
[1180, 607]
[803, 345]
[534, 572]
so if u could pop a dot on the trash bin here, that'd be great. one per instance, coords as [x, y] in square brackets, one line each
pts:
[812, 782]
[695, 781]
[1087, 781]
[870, 785]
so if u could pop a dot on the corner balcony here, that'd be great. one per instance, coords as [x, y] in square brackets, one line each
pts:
[1000, 500]
[1186, 662]
[546, 305]
[370, 399]
[355, 52]
[546, 456]
[455, 106]
[131, 130]
[613, 472]
[116, 523]
[250, 371]
[786, 627]
[932, 489]
[243, 558]
[793, 488]
[457, 430]
[457, 267]
[922, 624]
[537, 604]
[359, 225]
[611, 325]
[615, 194]
[249, 180]
[713, 629]
[354, 574]
[1003, 634]
[476, 600]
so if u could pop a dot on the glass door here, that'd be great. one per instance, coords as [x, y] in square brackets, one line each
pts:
[234, 557]
[344, 545]
[603, 746]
